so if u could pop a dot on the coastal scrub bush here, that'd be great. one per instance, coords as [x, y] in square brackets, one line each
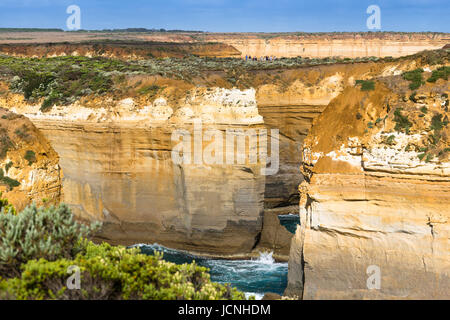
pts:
[30, 156]
[39, 247]
[402, 122]
[11, 183]
[5, 206]
[390, 140]
[63, 80]
[149, 90]
[366, 85]
[440, 73]
[5, 142]
[437, 124]
[8, 166]
[115, 272]
[415, 77]
[48, 233]
[22, 132]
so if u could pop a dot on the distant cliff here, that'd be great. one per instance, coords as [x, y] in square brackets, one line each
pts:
[164, 44]
[347, 45]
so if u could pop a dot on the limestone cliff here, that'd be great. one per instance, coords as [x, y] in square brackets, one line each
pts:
[350, 45]
[118, 168]
[29, 167]
[116, 147]
[376, 195]
[288, 44]
[128, 50]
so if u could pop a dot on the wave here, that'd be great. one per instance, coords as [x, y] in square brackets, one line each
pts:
[256, 276]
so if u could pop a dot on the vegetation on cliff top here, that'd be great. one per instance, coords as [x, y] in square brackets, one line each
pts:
[40, 247]
[63, 80]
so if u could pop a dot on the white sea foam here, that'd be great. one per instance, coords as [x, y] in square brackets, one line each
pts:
[258, 296]
[266, 258]
[254, 277]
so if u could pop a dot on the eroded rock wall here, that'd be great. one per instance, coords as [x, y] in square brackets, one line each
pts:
[116, 153]
[29, 166]
[118, 168]
[352, 46]
[376, 196]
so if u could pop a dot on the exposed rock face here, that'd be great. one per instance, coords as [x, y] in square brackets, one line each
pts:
[116, 153]
[274, 236]
[29, 167]
[122, 50]
[376, 197]
[119, 169]
[329, 45]
[293, 123]
[312, 45]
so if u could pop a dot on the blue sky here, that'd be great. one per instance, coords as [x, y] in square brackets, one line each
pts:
[230, 15]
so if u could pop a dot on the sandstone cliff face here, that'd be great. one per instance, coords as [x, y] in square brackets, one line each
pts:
[312, 45]
[376, 196]
[290, 100]
[349, 46]
[118, 168]
[116, 153]
[29, 167]
[122, 50]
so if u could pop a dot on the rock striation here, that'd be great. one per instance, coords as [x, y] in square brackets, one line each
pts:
[117, 148]
[118, 168]
[348, 45]
[375, 198]
[29, 167]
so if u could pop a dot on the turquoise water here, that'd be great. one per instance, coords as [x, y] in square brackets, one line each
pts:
[255, 277]
[290, 221]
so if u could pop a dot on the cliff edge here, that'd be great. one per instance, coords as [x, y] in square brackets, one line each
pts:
[374, 203]
[29, 167]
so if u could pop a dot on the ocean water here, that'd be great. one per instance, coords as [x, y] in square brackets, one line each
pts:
[290, 221]
[254, 277]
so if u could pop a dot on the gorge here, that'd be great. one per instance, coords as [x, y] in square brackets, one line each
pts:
[364, 200]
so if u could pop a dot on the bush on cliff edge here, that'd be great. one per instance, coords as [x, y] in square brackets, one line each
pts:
[35, 233]
[114, 272]
[40, 246]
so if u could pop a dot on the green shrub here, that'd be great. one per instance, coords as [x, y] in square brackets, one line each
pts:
[366, 85]
[109, 272]
[31, 82]
[30, 156]
[6, 207]
[436, 123]
[22, 132]
[11, 183]
[48, 233]
[5, 143]
[415, 77]
[150, 90]
[8, 166]
[441, 73]
[49, 102]
[390, 140]
[402, 122]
